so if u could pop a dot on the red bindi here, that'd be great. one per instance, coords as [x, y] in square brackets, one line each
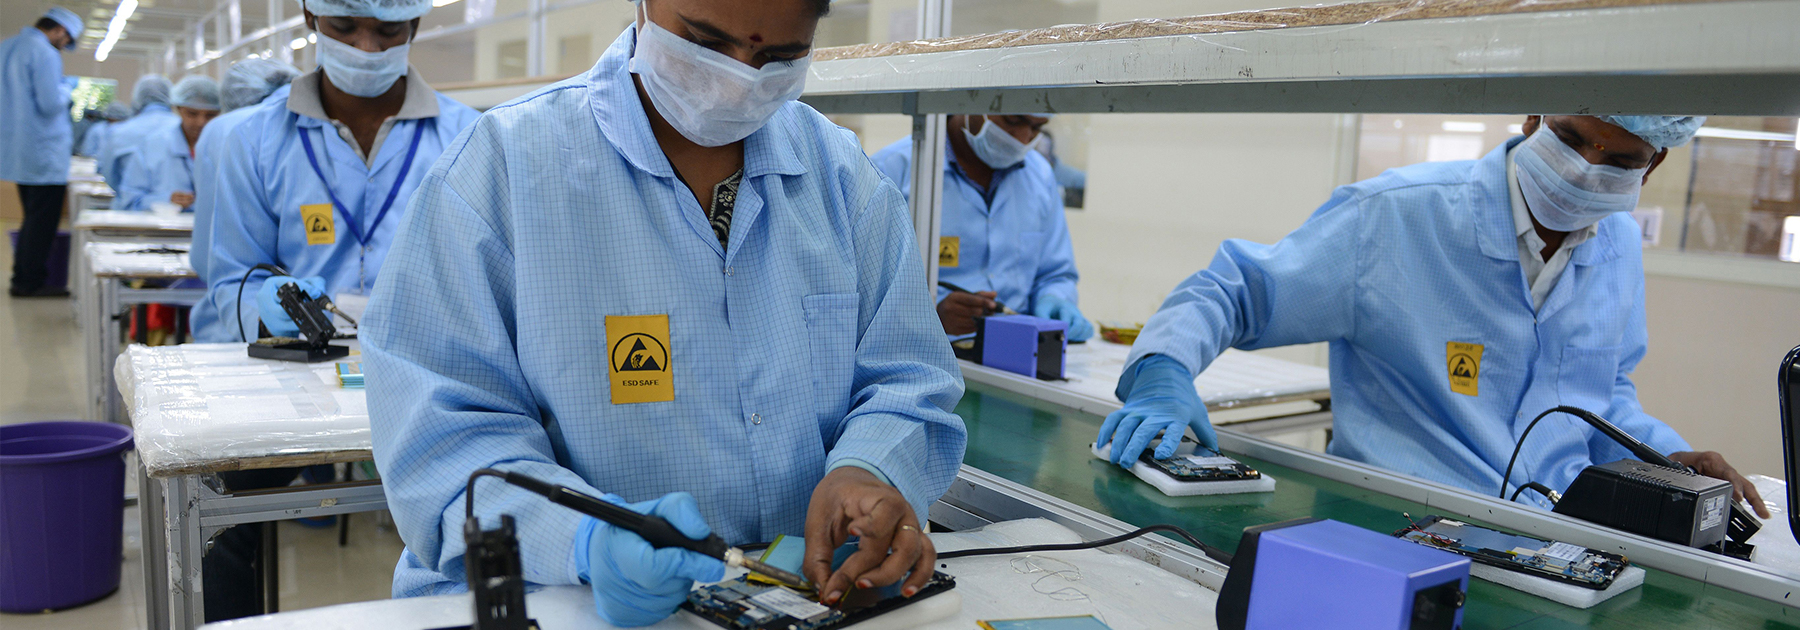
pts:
[756, 38]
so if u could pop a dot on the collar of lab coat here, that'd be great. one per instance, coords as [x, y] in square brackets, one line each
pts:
[175, 142]
[1499, 233]
[613, 96]
[304, 99]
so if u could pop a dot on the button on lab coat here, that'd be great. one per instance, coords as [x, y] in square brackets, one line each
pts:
[1392, 270]
[808, 342]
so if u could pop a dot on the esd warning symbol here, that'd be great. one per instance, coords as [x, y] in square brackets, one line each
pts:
[1464, 364]
[949, 251]
[317, 221]
[638, 358]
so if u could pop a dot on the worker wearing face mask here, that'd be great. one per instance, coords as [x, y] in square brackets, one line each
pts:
[666, 283]
[164, 169]
[319, 186]
[1460, 299]
[1004, 238]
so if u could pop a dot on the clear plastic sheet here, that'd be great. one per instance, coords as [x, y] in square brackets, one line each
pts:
[139, 260]
[1315, 15]
[210, 408]
[120, 219]
[1235, 379]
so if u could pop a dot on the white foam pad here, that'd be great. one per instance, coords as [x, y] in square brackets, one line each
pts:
[1172, 487]
[1560, 592]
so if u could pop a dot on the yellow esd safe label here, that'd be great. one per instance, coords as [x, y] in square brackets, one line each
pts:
[316, 220]
[1463, 360]
[638, 359]
[949, 250]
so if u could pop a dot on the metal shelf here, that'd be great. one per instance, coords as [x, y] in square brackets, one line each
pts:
[1715, 58]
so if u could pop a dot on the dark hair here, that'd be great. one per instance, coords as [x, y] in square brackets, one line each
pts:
[45, 24]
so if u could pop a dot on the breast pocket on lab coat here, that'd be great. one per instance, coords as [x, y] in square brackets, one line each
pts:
[1586, 378]
[831, 337]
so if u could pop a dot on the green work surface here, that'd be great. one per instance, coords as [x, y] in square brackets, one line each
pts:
[1045, 446]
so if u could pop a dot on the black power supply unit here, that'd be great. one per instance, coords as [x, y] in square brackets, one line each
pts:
[1664, 503]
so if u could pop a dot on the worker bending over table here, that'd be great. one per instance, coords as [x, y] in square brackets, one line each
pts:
[150, 99]
[318, 186]
[1460, 299]
[163, 172]
[666, 283]
[1005, 240]
[91, 142]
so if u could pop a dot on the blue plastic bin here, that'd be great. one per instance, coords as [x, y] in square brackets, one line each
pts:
[62, 513]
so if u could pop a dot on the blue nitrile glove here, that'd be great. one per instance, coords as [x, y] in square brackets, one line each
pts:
[1162, 397]
[1053, 307]
[268, 306]
[635, 584]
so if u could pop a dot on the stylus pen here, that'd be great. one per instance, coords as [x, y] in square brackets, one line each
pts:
[653, 529]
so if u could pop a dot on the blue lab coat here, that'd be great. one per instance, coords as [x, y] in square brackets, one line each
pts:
[35, 134]
[127, 138]
[204, 319]
[1014, 242]
[807, 344]
[162, 167]
[1392, 271]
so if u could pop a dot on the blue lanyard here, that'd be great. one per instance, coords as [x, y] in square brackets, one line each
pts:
[351, 219]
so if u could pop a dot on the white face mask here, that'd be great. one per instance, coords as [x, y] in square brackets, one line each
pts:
[359, 72]
[709, 97]
[996, 148]
[1564, 191]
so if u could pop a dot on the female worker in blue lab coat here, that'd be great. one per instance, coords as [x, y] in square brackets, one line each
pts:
[163, 172]
[1004, 236]
[666, 283]
[150, 99]
[318, 186]
[1460, 299]
[247, 85]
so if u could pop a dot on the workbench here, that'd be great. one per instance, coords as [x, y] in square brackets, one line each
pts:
[94, 226]
[104, 294]
[202, 409]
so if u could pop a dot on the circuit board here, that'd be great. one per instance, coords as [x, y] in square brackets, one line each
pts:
[1198, 467]
[1558, 561]
[741, 605]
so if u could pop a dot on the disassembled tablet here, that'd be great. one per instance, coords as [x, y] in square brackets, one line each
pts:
[1201, 467]
[1558, 561]
[741, 605]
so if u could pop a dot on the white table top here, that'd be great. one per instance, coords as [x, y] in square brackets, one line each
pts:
[1235, 379]
[123, 220]
[211, 407]
[136, 260]
[1122, 591]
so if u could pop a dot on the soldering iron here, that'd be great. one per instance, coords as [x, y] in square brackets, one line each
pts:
[653, 529]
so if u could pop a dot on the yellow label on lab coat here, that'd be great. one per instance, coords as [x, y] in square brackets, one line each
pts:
[638, 358]
[949, 250]
[1464, 364]
[317, 221]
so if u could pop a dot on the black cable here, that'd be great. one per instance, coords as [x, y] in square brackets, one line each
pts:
[1215, 553]
[469, 490]
[953, 287]
[239, 311]
[1540, 488]
[1517, 446]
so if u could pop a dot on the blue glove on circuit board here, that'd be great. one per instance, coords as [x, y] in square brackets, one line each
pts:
[268, 305]
[1053, 307]
[635, 584]
[1161, 400]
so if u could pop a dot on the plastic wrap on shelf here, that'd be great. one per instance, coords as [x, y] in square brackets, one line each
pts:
[121, 219]
[1293, 17]
[139, 260]
[210, 407]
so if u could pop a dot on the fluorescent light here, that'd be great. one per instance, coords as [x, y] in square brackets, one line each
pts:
[1460, 126]
[1743, 134]
[1515, 129]
[440, 3]
[115, 28]
[298, 43]
[312, 38]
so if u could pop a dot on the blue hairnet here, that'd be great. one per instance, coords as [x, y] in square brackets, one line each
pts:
[69, 21]
[117, 111]
[150, 88]
[384, 10]
[249, 81]
[1660, 131]
[196, 92]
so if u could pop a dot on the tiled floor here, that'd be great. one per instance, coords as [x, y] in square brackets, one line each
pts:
[41, 379]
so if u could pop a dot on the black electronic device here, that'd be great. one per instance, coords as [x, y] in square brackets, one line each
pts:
[1563, 562]
[496, 575]
[738, 604]
[1197, 467]
[1788, 392]
[313, 317]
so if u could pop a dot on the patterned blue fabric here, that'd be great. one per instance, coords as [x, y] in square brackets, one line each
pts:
[204, 319]
[127, 138]
[1017, 246]
[162, 168]
[36, 136]
[264, 179]
[95, 138]
[808, 342]
[1393, 269]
